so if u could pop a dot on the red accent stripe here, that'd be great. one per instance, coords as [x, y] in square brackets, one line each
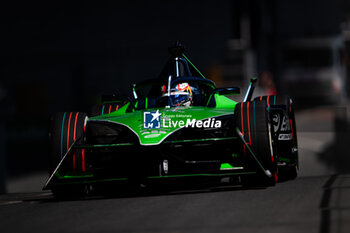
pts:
[110, 106]
[83, 155]
[250, 140]
[117, 107]
[74, 162]
[75, 125]
[84, 128]
[242, 122]
[275, 176]
[70, 116]
[74, 136]
[291, 128]
[83, 160]
[268, 104]
[260, 98]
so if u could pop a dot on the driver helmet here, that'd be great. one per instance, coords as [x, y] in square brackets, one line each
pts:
[181, 95]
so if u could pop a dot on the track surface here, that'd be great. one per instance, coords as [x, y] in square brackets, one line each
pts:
[317, 201]
[310, 204]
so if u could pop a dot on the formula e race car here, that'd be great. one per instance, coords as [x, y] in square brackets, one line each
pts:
[179, 125]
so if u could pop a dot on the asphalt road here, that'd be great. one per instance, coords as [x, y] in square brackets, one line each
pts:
[317, 201]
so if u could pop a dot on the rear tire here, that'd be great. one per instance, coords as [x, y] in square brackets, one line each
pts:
[290, 150]
[254, 122]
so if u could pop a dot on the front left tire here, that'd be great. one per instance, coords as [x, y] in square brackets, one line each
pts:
[65, 129]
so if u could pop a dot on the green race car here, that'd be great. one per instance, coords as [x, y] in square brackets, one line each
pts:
[178, 125]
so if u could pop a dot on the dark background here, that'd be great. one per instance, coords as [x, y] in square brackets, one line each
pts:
[60, 56]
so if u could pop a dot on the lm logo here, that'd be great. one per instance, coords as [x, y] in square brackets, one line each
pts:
[151, 120]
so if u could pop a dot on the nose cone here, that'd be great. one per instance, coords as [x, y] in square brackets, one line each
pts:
[153, 126]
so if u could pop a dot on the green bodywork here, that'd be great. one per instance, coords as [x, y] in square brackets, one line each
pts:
[134, 119]
[215, 104]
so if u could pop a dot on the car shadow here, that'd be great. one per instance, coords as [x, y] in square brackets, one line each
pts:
[139, 191]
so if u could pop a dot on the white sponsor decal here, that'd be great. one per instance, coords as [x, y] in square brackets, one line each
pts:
[276, 122]
[285, 137]
[208, 123]
[285, 124]
[152, 135]
[282, 126]
[151, 120]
